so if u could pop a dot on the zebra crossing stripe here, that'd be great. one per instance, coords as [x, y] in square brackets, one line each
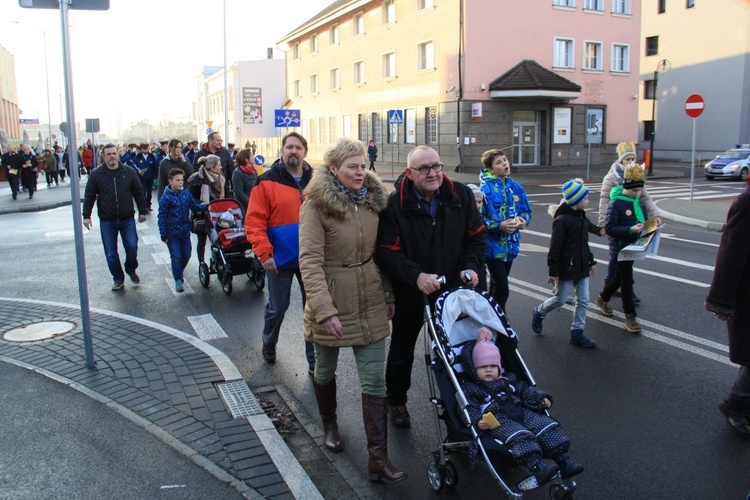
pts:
[206, 327]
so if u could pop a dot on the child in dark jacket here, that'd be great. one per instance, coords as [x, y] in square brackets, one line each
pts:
[570, 261]
[625, 220]
[174, 223]
[524, 427]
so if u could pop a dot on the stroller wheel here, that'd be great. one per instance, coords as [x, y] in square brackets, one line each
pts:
[260, 278]
[226, 285]
[451, 475]
[561, 492]
[203, 274]
[436, 477]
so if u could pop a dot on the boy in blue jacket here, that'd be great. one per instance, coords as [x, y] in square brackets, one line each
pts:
[174, 223]
[570, 261]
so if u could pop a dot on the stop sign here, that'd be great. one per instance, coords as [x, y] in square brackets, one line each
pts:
[694, 105]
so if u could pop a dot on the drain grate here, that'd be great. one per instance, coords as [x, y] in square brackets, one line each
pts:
[239, 399]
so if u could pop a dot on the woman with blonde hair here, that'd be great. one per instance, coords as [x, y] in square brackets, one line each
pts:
[349, 301]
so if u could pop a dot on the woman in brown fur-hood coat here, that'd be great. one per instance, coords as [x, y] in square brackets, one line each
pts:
[349, 302]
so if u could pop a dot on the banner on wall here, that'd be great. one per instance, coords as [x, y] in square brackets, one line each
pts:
[476, 111]
[594, 122]
[561, 126]
[252, 106]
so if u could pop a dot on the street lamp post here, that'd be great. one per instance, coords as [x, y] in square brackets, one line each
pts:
[46, 79]
[663, 66]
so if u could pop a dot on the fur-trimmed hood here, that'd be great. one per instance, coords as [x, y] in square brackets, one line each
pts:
[332, 202]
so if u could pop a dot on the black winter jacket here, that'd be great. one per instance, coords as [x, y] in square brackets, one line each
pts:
[569, 256]
[411, 242]
[114, 191]
[227, 166]
[620, 218]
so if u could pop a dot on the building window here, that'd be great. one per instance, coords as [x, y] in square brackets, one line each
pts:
[332, 135]
[563, 57]
[322, 131]
[313, 43]
[335, 84]
[689, 4]
[377, 128]
[313, 84]
[593, 5]
[362, 127]
[313, 129]
[389, 11]
[389, 65]
[648, 89]
[295, 51]
[359, 72]
[410, 126]
[333, 34]
[620, 58]
[426, 55]
[431, 125]
[621, 7]
[662, 6]
[592, 55]
[295, 88]
[652, 45]
[359, 24]
[565, 3]
[425, 4]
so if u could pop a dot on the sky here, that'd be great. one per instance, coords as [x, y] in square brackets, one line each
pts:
[139, 59]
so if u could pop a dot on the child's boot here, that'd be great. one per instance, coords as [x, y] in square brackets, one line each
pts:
[536, 321]
[578, 338]
[544, 472]
[604, 306]
[178, 286]
[568, 468]
[631, 323]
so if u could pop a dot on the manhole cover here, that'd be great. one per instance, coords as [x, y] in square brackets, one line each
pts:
[39, 331]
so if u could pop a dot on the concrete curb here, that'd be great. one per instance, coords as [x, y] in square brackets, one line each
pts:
[712, 226]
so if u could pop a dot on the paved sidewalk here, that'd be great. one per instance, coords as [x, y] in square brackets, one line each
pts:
[173, 385]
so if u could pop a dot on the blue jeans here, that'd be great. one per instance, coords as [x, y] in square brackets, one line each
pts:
[179, 253]
[109, 230]
[279, 295]
[558, 300]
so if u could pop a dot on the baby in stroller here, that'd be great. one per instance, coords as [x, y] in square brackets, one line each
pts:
[226, 229]
[512, 412]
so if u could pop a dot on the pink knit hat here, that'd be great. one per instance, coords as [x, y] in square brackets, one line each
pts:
[485, 351]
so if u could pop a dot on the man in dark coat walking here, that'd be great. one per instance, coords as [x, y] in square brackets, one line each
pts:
[729, 299]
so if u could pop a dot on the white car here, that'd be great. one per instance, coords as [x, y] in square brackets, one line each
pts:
[732, 164]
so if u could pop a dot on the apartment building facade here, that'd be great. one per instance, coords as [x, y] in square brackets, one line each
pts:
[9, 113]
[549, 82]
[695, 47]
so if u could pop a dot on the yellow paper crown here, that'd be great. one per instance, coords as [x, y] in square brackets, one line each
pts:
[634, 173]
[625, 148]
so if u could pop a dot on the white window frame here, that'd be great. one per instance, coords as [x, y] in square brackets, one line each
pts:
[569, 58]
[426, 55]
[296, 87]
[333, 34]
[425, 4]
[388, 8]
[358, 24]
[388, 64]
[597, 3]
[599, 55]
[620, 52]
[564, 3]
[621, 7]
[335, 76]
[314, 88]
[314, 43]
[295, 51]
[359, 72]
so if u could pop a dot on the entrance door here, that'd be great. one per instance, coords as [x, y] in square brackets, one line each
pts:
[525, 143]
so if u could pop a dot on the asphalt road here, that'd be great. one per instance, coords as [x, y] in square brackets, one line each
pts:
[640, 409]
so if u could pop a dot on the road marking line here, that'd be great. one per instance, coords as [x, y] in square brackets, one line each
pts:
[161, 258]
[670, 237]
[187, 288]
[150, 240]
[141, 226]
[206, 327]
[649, 334]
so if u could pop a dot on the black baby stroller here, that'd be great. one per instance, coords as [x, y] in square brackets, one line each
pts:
[458, 314]
[231, 253]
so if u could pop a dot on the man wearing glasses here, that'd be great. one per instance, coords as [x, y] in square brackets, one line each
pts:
[431, 228]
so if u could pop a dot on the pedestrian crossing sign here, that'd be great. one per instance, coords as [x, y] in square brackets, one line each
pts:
[395, 117]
